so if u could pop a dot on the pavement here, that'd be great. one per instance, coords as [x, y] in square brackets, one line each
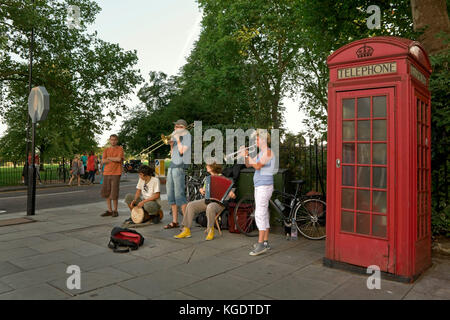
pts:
[34, 259]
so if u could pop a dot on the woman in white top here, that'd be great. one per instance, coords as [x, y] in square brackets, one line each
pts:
[147, 194]
[263, 164]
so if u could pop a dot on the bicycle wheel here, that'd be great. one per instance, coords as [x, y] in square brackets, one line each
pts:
[244, 216]
[191, 192]
[310, 216]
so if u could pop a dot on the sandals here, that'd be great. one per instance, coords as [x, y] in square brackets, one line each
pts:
[106, 214]
[171, 225]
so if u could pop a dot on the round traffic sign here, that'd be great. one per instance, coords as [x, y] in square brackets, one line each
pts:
[38, 104]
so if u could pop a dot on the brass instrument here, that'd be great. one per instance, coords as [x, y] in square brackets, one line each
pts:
[163, 141]
[236, 155]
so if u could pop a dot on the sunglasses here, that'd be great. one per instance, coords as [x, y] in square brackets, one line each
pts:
[145, 187]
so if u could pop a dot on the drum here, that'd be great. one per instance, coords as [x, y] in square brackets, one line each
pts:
[139, 215]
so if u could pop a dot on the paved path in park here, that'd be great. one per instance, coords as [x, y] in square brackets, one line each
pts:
[34, 258]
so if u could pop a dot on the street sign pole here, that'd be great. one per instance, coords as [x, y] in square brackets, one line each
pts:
[31, 200]
[30, 80]
[38, 107]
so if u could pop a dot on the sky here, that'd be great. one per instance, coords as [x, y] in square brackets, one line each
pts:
[163, 33]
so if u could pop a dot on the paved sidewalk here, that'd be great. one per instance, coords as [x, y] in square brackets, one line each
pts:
[34, 258]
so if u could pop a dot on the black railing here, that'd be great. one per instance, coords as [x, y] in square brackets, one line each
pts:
[306, 162]
[50, 172]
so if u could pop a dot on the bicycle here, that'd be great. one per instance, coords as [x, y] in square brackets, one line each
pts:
[193, 185]
[309, 213]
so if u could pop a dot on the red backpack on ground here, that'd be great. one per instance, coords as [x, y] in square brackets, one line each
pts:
[122, 237]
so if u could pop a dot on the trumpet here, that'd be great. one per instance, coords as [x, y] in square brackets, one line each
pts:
[236, 155]
[164, 140]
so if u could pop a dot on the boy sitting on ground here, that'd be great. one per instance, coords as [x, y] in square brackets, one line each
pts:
[147, 195]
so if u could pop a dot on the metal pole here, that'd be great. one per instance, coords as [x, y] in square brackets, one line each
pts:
[64, 169]
[316, 164]
[304, 158]
[31, 201]
[321, 152]
[310, 164]
[446, 181]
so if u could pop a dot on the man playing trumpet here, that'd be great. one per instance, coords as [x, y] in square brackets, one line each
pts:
[180, 145]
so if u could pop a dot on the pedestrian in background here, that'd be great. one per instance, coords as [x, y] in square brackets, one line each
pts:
[84, 160]
[25, 168]
[75, 170]
[91, 167]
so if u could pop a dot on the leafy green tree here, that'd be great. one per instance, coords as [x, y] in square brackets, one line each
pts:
[268, 41]
[87, 78]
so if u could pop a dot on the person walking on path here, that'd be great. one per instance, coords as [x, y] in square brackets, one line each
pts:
[29, 164]
[91, 167]
[263, 164]
[75, 170]
[112, 159]
[84, 159]
[180, 145]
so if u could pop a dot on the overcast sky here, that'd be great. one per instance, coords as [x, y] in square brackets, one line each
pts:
[163, 33]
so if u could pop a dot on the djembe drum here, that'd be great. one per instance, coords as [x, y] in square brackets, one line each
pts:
[139, 215]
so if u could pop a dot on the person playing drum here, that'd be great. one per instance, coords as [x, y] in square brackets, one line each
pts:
[147, 194]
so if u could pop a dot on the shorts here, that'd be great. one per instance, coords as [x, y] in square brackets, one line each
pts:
[110, 187]
[175, 186]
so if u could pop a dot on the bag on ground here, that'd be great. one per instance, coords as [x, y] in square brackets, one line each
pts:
[123, 237]
[201, 219]
[223, 220]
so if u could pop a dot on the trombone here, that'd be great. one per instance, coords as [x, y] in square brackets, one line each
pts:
[236, 155]
[163, 141]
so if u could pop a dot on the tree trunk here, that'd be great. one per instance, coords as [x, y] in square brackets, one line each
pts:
[431, 14]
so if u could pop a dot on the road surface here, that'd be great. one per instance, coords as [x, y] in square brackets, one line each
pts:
[16, 201]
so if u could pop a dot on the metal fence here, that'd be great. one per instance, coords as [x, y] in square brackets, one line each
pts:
[308, 163]
[54, 171]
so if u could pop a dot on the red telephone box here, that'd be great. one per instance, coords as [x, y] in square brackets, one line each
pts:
[378, 169]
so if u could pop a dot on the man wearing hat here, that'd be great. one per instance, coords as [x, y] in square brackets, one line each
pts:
[180, 150]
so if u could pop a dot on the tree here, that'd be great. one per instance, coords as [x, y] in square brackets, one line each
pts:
[265, 32]
[431, 15]
[328, 25]
[88, 79]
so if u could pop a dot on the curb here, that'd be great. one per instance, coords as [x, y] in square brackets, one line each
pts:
[20, 188]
